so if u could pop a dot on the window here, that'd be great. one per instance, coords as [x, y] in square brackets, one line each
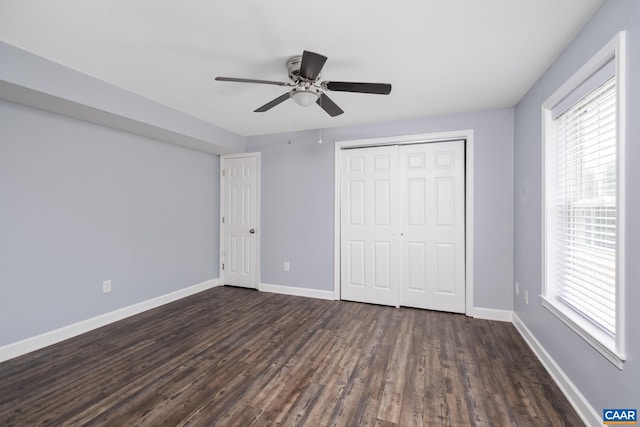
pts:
[583, 202]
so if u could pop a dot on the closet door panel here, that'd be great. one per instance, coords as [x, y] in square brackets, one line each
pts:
[369, 249]
[431, 196]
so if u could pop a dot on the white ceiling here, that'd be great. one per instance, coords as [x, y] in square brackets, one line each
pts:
[442, 56]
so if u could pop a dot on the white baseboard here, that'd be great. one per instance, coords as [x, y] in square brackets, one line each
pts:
[28, 345]
[298, 292]
[491, 314]
[581, 405]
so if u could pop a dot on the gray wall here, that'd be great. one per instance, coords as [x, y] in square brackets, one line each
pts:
[81, 203]
[297, 209]
[600, 382]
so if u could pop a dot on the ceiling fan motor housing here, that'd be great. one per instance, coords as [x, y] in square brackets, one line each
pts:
[293, 67]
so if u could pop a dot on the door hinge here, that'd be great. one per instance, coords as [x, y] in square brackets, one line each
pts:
[222, 172]
[223, 220]
[223, 266]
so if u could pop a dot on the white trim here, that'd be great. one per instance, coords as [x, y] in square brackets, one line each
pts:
[590, 335]
[28, 345]
[258, 157]
[614, 50]
[621, 81]
[295, 291]
[467, 135]
[406, 139]
[604, 55]
[469, 206]
[581, 405]
[336, 220]
[491, 314]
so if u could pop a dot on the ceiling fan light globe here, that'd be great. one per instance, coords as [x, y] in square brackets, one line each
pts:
[304, 98]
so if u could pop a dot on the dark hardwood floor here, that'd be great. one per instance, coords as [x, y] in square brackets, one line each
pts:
[238, 357]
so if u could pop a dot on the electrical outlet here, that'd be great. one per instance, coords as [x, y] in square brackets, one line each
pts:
[526, 297]
[287, 266]
[106, 286]
[517, 287]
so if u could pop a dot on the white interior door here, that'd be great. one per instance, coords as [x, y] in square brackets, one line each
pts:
[402, 225]
[239, 221]
[432, 226]
[369, 221]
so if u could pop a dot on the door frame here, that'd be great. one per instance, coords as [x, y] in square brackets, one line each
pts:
[467, 136]
[221, 252]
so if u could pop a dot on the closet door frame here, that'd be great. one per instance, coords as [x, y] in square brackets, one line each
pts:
[467, 136]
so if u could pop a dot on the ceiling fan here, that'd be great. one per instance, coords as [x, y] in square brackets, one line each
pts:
[304, 73]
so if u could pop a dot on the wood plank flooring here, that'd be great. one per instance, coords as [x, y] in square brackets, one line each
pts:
[236, 357]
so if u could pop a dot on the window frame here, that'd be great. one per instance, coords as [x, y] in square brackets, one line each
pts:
[613, 349]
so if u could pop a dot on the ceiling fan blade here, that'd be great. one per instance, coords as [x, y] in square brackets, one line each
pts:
[239, 80]
[311, 65]
[269, 105]
[329, 106]
[377, 88]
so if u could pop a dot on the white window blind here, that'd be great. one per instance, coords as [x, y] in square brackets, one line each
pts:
[585, 207]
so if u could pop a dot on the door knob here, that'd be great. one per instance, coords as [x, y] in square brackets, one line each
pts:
[252, 231]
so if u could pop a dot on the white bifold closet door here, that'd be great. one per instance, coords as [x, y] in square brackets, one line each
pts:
[402, 225]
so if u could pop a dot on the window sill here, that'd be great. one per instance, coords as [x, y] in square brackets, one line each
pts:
[591, 335]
